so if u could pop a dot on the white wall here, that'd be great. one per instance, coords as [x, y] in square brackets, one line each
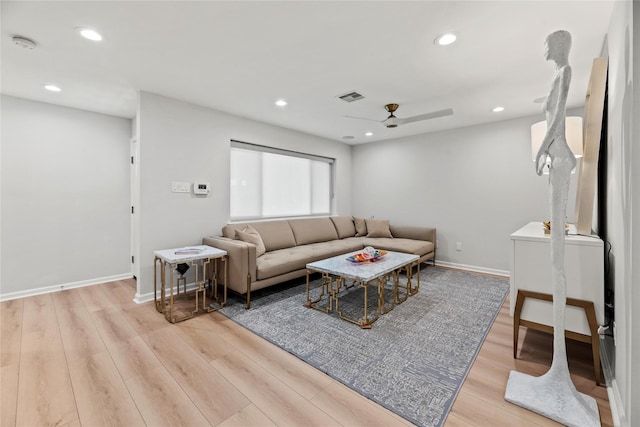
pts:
[623, 184]
[475, 185]
[65, 197]
[634, 285]
[185, 142]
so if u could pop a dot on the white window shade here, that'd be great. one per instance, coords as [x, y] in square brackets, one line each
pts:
[267, 183]
[246, 183]
[320, 187]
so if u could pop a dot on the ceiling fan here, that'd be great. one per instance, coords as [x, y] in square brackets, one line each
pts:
[392, 121]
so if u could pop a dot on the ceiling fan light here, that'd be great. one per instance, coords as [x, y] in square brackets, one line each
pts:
[392, 122]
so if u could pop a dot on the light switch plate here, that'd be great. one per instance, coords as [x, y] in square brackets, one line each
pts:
[180, 187]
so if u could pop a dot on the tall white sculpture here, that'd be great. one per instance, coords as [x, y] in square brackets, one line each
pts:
[554, 394]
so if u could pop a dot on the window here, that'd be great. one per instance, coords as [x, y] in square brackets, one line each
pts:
[268, 182]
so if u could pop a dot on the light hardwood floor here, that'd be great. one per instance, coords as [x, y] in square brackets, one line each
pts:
[92, 357]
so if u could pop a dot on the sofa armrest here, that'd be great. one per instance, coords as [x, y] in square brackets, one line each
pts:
[241, 260]
[416, 233]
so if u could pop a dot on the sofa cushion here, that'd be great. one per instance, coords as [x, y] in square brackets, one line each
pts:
[251, 235]
[229, 230]
[412, 232]
[360, 225]
[275, 234]
[416, 247]
[281, 261]
[344, 226]
[286, 260]
[378, 228]
[313, 230]
[334, 247]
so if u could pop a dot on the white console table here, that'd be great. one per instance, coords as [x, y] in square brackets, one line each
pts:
[530, 260]
[531, 270]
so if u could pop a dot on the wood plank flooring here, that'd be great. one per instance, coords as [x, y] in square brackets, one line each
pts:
[92, 357]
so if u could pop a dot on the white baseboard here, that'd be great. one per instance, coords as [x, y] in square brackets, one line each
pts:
[57, 288]
[615, 403]
[474, 268]
[142, 298]
[607, 356]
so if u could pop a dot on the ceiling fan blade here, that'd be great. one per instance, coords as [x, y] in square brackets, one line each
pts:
[364, 118]
[427, 116]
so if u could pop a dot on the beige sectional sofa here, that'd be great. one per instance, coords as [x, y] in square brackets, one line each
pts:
[265, 253]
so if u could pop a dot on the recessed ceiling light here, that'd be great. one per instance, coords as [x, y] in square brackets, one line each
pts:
[498, 109]
[369, 134]
[281, 102]
[90, 34]
[445, 39]
[52, 88]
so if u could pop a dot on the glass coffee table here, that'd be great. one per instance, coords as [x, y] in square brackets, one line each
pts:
[341, 275]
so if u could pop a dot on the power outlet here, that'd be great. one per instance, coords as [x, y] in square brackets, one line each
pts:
[458, 246]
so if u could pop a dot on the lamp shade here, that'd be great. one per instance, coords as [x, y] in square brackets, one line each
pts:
[573, 133]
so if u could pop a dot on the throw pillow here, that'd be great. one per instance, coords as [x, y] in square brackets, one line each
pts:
[251, 235]
[344, 226]
[361, 226]
[378, 228]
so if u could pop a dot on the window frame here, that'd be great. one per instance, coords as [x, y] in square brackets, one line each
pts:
[284, 152]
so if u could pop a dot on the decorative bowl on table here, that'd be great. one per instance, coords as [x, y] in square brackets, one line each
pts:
[367, 256]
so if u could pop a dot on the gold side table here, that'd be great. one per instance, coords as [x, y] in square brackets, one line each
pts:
[206, 261]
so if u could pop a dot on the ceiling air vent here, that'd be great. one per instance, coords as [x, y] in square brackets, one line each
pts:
[24, 42]
[351, 96]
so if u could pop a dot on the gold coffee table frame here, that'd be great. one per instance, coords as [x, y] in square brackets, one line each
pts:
[210, 258]
[337, 273]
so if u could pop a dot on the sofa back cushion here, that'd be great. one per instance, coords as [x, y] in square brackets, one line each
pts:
[360, 225]
[275, 234]
[344, 226]
[313, 230]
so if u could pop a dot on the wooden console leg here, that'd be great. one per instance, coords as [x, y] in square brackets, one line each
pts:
[516, 322]
[590, 311]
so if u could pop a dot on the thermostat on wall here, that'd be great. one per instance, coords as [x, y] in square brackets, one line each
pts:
[200, 188]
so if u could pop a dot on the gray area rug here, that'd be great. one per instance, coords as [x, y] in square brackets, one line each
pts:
[414, 359]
